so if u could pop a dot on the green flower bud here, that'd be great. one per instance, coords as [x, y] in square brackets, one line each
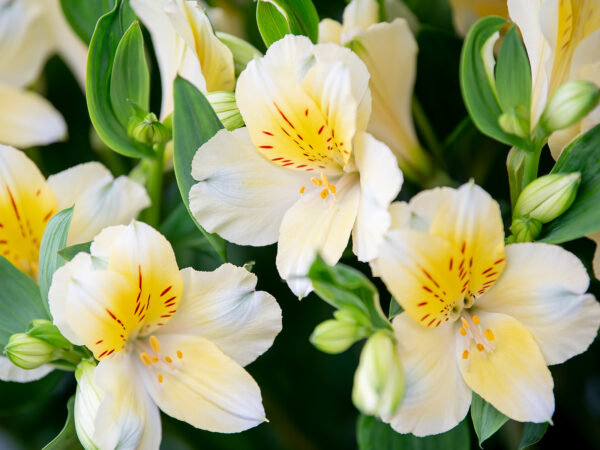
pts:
[87, 401]
[28, 352]
[379, 379]
[336, 336]
[243, 52]
[148, 130]
[547, 197]
[526, 229]
[47, 331]
[569, 104]
[512, 123]
[226, 108]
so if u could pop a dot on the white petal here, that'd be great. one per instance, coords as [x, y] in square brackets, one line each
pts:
[223, 307]
[316, 225]
[202, 386]
[127, 417]
[436, 398]
[27, 119]
[543, 287]
[100, 200]
[241, 195]
[380, 182]
[359, 15]
[330, 31]
[10, 372]
[104, 240]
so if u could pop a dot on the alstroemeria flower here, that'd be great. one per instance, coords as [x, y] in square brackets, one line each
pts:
[185, 44]
[164, 338]
[389, 51]
[303, 172]
[562, 41]
[466, 12]
[478, 316]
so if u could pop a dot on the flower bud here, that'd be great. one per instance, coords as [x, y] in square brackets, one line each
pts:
[379, 379]
[226, 108]
[48, 332]
[28, 352]
[511, 123]
[568, 104]
[547, 197]
[335, 336]
[87, 401]
[148, 130]
[526, 229]
[243, 52]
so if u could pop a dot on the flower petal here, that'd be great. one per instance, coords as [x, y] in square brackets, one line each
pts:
[421, 272]
[513, 377]
[26, 205]
[223, 307]
[27, 119]
[330, 31]
[380, 182]
[241, 195]
[10, 372]
[316, 225]
[436, 398]
[127, 417]
[202, 386]
[100, 200]
[359, 15]
[543, 287]
[471, 220]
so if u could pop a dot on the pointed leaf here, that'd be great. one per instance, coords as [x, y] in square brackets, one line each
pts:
[68, 253]
[276, 18]
[67, 438]
[532, 434]
[83, 16]
[486, 419]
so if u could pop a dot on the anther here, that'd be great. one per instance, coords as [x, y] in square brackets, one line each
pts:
[476, 320]
[462, 331]
[145, 358]
[332, 188]
[154, 343]
[465, 354]
[168, 359]
[160, 378]
[155, 359]
[489, 335]
[464, 322]
[324, 179]
[480, 347]
[179, 354]
[316, 181]
[324, 193]
[302, 189]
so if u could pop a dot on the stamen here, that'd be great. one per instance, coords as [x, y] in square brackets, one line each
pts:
[480, 347]
[155, 359]
[302, 189]
[154, 343]
[489, 335]
[160, 378]
[145, 358]
[332, 188]
[168, 359]
[324, 193]
[179, 354]
[316, 181]
[476, 320]
[465, 354]
[462, 331]
[324, 179]
[465, 323]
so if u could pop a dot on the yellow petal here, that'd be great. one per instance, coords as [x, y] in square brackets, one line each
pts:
[471, 221]
[513, 377]
[26, 205]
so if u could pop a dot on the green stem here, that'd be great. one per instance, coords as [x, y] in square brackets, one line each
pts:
[154, 181]
[426, 130]
[523, 165]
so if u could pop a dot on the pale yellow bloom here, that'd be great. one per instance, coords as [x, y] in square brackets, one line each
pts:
[478, 316]
[164, 338]
[466, 12]
[562, 38]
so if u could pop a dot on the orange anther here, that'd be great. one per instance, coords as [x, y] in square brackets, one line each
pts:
[480, 347]
[155, 359]
[179, 354]
[489, 335]
[302, 189]
[316, 181]
[168, 359]
[464, 322]
[324, 193]
[332, 188]
[465, 354]
[476, 320]
[145, 358]
[160, 378]
[462, 332]
[154, 343]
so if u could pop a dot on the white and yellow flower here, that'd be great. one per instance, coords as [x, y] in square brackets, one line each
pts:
[562, 38]
[164, 338]
[389, 51]
[303, 172]
[478, 316]
[30, 32]
[466, 12]
[186, 45]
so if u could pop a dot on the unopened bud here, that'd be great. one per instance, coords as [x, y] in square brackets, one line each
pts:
[46, 331]
[569, 104]
[87, 401]
[512, 123]
[526, 229]
[148, 130]
[243, 52]
[379, 379]
[335, 336]
[28, 352]
[547, 197]
[226, 108]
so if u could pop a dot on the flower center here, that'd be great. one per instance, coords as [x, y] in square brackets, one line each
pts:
[158, 360]
[322, 182]
[472, 333]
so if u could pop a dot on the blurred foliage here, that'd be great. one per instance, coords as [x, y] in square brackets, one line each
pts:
[307, 393]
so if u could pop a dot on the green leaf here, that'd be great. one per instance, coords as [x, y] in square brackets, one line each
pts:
[477, 88]
[437, 13]
[513, 75]
[486, 419]
[194, 123]
[532, 434]
[130, 79]
[346, 288]
[375, 435]
[20, 302]
[583, 217]
[67, 438]
[276, 18]
[395, 309]
[101, 55]
[53, 240]
[83, 16]
[68, 253]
